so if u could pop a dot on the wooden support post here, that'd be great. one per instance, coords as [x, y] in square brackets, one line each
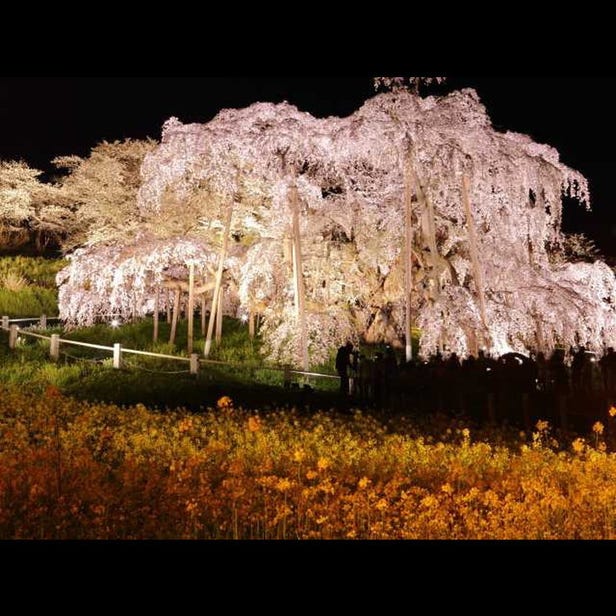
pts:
[408, 263]
[168, 307]
[194, 363]
[5, 323]
[541, 346]
[43, 321]
[219, 319]
[174, 318]
[221, 264]
[13, 332]
[54, 347]
[472, 240]
[203, 311]
[300, 290]
[191, 306]
[117, 355]
[251, 324]
[431, 217]
[155, 332]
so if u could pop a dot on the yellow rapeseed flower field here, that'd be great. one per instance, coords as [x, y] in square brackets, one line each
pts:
[77, 470]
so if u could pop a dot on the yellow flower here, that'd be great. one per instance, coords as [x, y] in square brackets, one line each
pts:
[363, 483]
[311, 474]
[612, 411]
[578, 445]
[224, 403]
[53, 392]
[429, 501]
[299, 455]
[466, 433]
[542, 425]
[382, 505]
[254, 424]
[597, 427]
[283, 485]
[185, 425]
[446, 488]
[323, 464]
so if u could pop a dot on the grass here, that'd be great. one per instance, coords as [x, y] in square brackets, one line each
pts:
[87, 374]
[28, 287]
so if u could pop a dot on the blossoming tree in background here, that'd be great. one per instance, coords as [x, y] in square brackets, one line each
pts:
[411, 211]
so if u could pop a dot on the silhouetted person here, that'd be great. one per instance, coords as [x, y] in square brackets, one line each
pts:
[390, 373]
[542, 371]
[579, 369]
[354, 388]
[343, 366]
[608, 372]
[559, 375]
[378, 382]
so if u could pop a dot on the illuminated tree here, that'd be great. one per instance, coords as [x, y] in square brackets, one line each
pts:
[103, 191]
[410, 209]
[30, 211]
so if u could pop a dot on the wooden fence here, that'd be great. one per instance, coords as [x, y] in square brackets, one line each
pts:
[117, 350]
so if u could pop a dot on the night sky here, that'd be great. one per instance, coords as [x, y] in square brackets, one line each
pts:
[41, 118]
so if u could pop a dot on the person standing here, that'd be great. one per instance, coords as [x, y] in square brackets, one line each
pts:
[343, 366]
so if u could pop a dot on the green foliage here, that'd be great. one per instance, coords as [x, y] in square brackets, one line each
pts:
[36, 270]
[87, 373]
[27, 286]
[29, 302]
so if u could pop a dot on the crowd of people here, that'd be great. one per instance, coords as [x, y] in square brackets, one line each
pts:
[458, 383]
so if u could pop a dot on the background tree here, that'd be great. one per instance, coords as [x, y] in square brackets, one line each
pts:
[103, 191]
[32, 212]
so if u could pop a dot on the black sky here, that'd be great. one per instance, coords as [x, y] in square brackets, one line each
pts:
[45, 117]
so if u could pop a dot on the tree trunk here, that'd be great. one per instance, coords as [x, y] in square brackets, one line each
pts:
[298, 276]
[432, 243]
[203, 310]
[472, 240]
[155, 334]
[541, 346]
[219, 319]
[191, 306]
[221, 263]
[168, 307]
[251, 324]
[174, 321]
[408, 264]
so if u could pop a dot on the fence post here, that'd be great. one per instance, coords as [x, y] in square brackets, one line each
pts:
[287, 376]
[43, 322]
[117, 355]
[54, 347]
[5, 322]
[194, 363]
[13, 336]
